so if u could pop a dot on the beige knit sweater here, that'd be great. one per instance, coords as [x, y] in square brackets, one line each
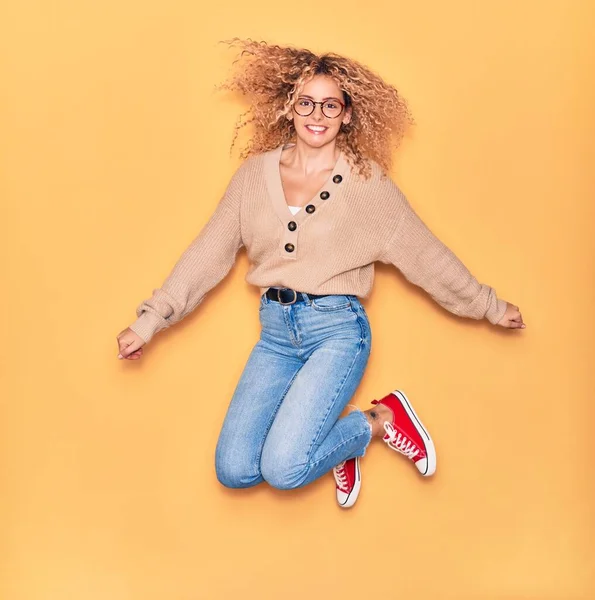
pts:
[328, 247]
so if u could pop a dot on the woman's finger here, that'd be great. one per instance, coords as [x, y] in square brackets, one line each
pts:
[127, 349]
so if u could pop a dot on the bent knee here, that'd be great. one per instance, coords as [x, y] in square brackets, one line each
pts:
[236, 474]
[283, 476]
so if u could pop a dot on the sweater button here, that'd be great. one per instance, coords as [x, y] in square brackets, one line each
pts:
[337, 179]
[310, 208]
[289, 247]
[292, 225]
[325, 195]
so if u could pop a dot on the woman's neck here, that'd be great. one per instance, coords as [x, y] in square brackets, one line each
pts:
[308, 160]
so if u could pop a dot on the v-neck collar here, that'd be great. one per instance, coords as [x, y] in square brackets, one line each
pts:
[333, 186]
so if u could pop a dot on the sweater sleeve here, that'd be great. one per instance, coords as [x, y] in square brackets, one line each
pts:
[201, 267]
[428, 263]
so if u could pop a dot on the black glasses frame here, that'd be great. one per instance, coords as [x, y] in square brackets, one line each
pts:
[321, 108]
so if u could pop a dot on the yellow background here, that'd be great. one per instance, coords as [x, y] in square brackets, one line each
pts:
[115, 151]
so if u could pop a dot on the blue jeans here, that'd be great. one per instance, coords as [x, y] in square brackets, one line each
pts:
[282, 425]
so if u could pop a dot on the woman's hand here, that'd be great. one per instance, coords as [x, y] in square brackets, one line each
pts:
[512, 317]
[130, 345]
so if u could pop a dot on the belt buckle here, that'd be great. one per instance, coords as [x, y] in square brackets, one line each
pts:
[286, 303]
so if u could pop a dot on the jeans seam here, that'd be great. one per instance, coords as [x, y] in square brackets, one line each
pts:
[362, 340]
[341, 385]
[365, 331]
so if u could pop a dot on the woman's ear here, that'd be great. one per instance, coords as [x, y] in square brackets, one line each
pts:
[347, 116]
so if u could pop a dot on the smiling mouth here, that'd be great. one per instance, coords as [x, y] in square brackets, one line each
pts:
[316, 129]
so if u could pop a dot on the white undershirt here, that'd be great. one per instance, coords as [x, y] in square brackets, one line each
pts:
[294, 209]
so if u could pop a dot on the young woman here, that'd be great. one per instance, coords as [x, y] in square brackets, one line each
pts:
[314, 208]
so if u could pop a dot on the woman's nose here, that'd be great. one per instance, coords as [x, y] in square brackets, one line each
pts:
[318, 114]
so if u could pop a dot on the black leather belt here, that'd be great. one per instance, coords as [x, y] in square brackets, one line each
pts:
[289, 296]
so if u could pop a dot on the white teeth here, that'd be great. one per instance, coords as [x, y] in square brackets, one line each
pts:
[315, 128]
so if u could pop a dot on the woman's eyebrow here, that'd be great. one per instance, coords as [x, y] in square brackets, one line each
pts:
[323, 100]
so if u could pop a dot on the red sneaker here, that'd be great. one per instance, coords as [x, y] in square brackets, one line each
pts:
[349, 481]
[407, 435]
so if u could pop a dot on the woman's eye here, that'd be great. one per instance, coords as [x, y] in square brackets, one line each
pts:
[330, 105]
[304, 102]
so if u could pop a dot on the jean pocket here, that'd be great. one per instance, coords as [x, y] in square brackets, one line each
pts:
[331, 303]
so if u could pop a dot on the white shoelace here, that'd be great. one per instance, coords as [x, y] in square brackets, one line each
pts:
[399, 442]
[341, 477]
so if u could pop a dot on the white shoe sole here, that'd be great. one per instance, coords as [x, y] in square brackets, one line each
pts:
[352, 497]
[430, 450]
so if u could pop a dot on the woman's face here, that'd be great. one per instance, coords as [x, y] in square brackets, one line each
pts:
[318, 129]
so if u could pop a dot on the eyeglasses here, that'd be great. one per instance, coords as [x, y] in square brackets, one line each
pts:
[330, 108]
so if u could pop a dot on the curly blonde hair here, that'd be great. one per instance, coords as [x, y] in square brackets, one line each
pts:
[272, 76]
